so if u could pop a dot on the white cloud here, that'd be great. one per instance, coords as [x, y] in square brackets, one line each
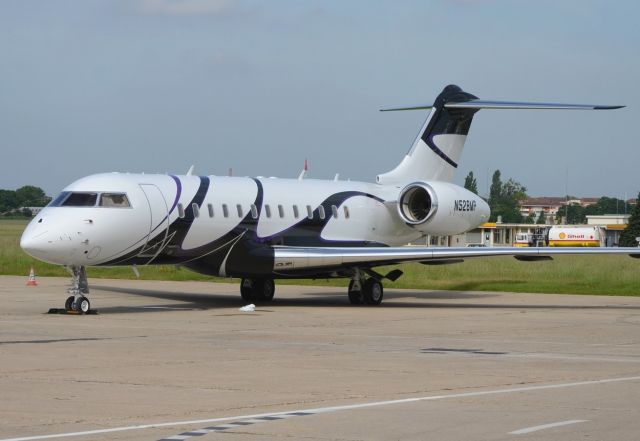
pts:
[186, 7]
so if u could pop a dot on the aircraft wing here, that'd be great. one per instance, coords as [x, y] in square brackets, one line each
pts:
[296, 258]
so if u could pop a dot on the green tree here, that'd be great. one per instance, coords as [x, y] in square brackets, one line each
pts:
[605, 205]
[470, 183]
[496, 188]
[541, 218]
[8, 200]
[573, 212]
[31, 196]
[505, 199]
[629, 234]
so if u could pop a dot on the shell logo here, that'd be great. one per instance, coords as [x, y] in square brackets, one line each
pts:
[562, 235]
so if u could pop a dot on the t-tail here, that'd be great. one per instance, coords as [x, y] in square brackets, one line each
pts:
[436, 152]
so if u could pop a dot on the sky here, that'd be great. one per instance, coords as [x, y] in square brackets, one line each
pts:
[158, 85]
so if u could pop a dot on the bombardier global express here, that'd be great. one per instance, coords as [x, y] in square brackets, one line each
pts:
[261, 229]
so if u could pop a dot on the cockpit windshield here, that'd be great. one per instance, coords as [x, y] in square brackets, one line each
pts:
[90, 199]
[119, 200]
[80, 200]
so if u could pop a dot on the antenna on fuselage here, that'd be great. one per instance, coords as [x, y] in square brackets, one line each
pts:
[190, 170]
[304, 171]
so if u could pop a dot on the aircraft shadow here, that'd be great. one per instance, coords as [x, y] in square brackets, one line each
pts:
[197, 301]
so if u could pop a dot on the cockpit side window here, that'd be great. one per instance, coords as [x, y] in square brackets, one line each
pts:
[118, 200]
[80, 200]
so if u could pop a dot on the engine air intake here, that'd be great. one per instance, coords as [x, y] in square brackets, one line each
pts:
[417, 203]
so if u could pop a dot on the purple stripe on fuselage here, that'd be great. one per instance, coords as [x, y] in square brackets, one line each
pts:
[178, 193]
[175, 203]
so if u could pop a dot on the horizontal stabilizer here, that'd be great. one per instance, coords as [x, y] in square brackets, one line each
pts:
[484, 104]
[406, 108]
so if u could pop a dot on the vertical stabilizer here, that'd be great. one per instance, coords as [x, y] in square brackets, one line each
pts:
[437, 149]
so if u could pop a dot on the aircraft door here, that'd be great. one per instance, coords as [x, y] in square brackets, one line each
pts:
[158, 223]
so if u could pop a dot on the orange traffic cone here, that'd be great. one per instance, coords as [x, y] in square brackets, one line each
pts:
[32, 278]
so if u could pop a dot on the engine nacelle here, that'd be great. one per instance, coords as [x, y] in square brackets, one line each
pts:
[441, 208]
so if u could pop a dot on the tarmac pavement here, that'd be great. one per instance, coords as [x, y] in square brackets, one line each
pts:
[178, 360]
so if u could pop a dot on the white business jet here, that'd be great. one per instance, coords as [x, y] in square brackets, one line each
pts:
[261, 229]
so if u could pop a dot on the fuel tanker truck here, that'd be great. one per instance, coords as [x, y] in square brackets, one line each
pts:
[564, 236]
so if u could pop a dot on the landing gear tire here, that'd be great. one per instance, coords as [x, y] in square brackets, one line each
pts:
[372, 292]
[246, 291]
[355, 296]
[68, 304]
[82, 305]
[257, 290]
[266, 290]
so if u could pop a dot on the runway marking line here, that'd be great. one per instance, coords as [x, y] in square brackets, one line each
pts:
[545, 426]
[185, 435]
[302, 412]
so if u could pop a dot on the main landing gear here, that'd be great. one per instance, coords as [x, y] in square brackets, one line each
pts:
[257, 290]
[77, 301]
[368, 290]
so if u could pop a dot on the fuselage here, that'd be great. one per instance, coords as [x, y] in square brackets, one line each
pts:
[225, 225]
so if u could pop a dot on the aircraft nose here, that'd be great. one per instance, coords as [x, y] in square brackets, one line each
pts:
[34, 245]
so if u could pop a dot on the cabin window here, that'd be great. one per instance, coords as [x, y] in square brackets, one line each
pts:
[225, 210]
[180, 211]
[118, 200]
[254, 211]
[80, 200]
[346, 212]
[267, 210]
[210, 208]
[196, 210]
[296, 213]
[334, 211]
[239, 208]
[321, 212]
[280, 210]
[309, 212]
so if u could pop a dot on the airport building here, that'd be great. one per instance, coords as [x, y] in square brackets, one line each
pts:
[550, 205]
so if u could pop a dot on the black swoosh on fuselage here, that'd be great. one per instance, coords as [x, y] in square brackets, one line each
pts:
[251, 255]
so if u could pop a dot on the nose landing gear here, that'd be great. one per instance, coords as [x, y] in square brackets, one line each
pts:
[77, 302]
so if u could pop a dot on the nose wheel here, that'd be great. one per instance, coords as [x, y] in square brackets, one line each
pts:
[80, 304]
